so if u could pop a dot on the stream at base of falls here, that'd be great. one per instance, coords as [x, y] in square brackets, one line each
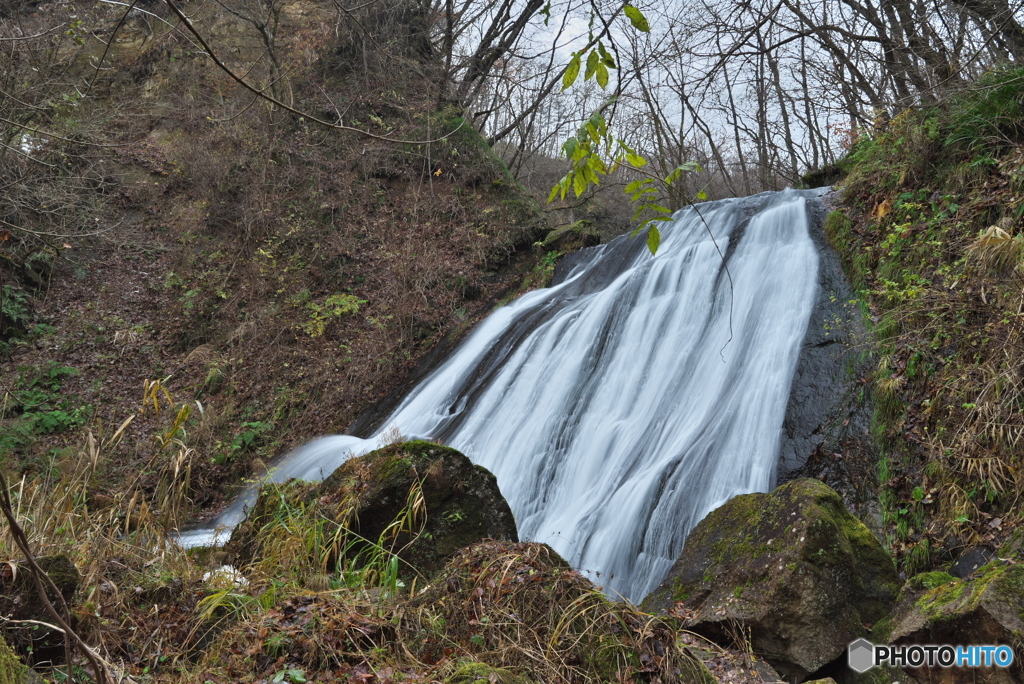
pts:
[625, 402]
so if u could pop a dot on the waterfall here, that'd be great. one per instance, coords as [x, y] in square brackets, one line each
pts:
[621, 405]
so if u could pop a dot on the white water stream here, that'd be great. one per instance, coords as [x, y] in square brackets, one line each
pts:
[620, 406]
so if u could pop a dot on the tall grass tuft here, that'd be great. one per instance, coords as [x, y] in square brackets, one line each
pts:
[996, 251]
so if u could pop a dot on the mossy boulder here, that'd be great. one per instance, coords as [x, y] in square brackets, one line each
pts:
[793, 568]
[830, 174]
[461, 502]
[19, 600]
[421, 500]
[572, 237]
[937, 608]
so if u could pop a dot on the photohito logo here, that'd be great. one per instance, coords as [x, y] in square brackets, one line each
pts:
[862, 655]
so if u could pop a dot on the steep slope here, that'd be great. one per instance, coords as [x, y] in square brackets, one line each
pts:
[275, 275]
[930, 233]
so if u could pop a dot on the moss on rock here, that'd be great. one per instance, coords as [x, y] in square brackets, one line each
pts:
[574, 236]
[12, 670]
[793, 566]
[420, 500]
[985, 608]
[930, 580]
[988, 608]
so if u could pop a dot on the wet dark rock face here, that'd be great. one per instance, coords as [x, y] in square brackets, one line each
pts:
[826, 410]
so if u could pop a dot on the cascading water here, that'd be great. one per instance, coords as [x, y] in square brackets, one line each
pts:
[623, 404]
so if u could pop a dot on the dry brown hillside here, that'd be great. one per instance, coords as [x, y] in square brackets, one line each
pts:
[160, 222]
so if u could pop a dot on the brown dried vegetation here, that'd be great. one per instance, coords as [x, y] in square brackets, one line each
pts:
[284, 275]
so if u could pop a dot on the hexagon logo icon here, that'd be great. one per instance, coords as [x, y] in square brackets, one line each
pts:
[860, 655]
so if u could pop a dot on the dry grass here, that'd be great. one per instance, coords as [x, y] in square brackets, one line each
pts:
[120, 544]
[996, 250]
[512, 606]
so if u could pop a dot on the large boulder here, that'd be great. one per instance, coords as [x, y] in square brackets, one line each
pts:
[422, 500]
[461, 501]
[793, 569]
[984, 609]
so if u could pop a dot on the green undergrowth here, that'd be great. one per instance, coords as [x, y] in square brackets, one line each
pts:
[33, 408]
[930, 234]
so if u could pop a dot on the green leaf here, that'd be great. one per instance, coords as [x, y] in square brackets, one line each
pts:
[636, 160]
[637, 18]
[702, 195]
[571, 72]
[602, 75]
[640, 193]
[547, 13]
[593, 59]
[653, 239]
[608, 60]
[579, 184]
[554, 191]
[636, 185]
[569, 147]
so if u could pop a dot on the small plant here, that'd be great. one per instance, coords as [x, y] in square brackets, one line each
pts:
[37, 407]
[249, 435]
[14, 313]
[334, 307]
[550, 259]
[292, 675]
